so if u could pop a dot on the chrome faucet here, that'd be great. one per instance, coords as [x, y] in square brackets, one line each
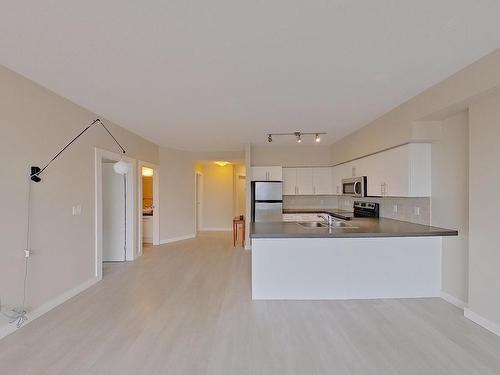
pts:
[328, 219]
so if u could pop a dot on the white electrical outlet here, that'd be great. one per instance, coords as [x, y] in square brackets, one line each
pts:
[416, 211]
[77, 210]
[395, 208]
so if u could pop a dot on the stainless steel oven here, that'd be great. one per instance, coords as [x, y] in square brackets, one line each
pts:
[354, 187]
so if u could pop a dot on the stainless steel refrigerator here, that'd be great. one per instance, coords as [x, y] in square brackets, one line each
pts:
[267, 201]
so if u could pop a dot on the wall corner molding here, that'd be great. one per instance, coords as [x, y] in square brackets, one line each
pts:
[453, 300]
[483, 322]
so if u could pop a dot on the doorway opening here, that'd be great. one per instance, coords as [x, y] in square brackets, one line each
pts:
[220, 194]
[149, 201]
[114, 210]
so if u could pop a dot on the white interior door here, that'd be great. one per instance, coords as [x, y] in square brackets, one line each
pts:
[113, 215]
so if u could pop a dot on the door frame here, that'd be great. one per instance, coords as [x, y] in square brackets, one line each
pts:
[156, 203]
[198, 211]
[130, 205]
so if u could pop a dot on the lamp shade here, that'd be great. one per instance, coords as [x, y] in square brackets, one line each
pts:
[121, 167]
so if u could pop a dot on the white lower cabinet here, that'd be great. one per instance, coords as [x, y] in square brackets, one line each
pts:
[147, 229]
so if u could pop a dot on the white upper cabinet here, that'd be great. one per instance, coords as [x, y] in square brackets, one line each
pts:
[375, 174]
[267, 173]
[289, 181]
[404, 171]
[339, 173]
[305, 181]
[323, 181]
[298, 181]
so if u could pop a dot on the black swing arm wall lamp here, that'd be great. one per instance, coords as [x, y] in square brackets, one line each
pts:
[19, 315]
[120, 167]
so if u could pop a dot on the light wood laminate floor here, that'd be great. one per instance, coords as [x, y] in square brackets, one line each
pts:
[185, 308]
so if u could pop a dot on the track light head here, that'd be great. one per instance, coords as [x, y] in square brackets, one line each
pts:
[269, 138]
[317, 138]
[298, 136]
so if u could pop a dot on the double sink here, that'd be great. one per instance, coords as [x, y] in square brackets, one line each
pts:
[334, 224]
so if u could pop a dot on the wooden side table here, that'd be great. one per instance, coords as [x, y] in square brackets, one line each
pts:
[237, 221]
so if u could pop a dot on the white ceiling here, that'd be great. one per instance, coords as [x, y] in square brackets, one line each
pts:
[214, 75]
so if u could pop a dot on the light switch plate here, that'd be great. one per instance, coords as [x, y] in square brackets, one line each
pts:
[416, 211]
[77, 210]
[395, 208]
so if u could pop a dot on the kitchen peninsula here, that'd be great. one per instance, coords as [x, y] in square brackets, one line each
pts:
[360, 258]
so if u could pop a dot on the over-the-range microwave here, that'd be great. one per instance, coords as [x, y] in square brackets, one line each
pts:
[354, 187]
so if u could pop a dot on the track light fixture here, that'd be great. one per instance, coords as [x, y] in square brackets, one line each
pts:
[298, 136]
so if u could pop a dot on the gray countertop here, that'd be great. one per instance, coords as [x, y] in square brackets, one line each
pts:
[360, 227]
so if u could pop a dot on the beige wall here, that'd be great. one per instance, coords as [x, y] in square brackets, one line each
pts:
[218, 185]
[437, 114]
[401, 124]
[177, 194]
[291, 156]
[35, 123]
[450, 200]
[484, 248]
[239, 189]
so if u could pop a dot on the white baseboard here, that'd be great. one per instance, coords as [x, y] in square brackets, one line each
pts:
[46, 307]
[216, 230]
[453, 300]
[483, 322]
[175, 239]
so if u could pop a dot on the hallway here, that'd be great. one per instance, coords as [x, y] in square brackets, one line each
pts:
[186, 308]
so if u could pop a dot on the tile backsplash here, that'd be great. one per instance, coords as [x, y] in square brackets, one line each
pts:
[310, 201]
[415, 210]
